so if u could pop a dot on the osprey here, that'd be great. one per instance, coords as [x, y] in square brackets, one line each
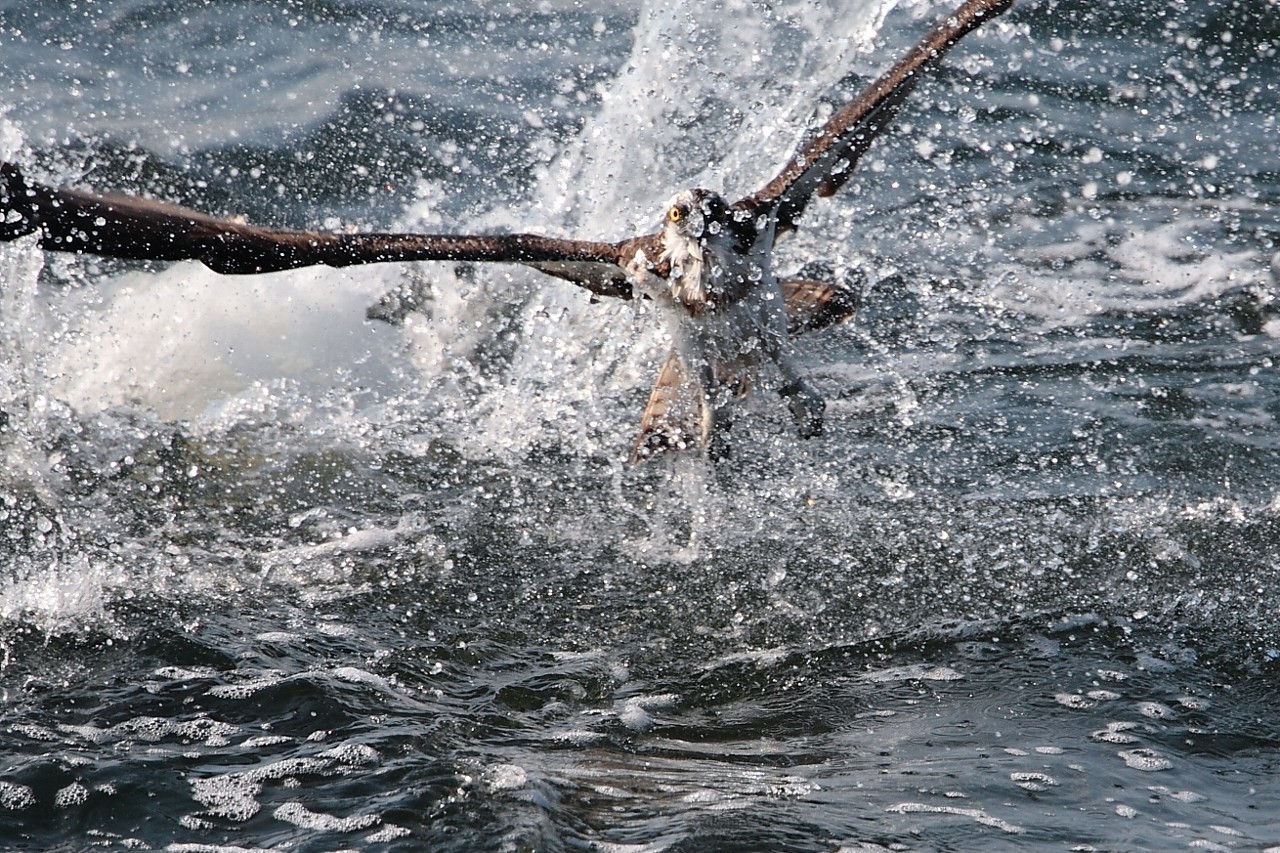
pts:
[708, 268]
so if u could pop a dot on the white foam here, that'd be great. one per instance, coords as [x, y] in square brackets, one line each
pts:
[244, 689]
[1116, 732]
[389, 832]
[978, 815]
[505, 777]
[634, 713]
[352, 753]
[353, 542]
[1157, 711]
[33, 731]
[1033, 781]
[182, 673]
[285, 768]
[72, 795]
[15, 797]
[356, 675]
[213, 848]
[300, 816]
[580, 737]
[1142, 259]
[279, 638]
[1075, 701]
[1180, 796]
[233, 797]
[93, 734]
[913, 672]
[616, 847]
[1147, 760]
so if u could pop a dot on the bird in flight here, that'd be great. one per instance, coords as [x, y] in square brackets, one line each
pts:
[708, 267]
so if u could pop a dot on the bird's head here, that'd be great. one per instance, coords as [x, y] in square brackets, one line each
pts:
[695, 232]
[695, 215]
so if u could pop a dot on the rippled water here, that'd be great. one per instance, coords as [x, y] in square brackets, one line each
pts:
[276, 576]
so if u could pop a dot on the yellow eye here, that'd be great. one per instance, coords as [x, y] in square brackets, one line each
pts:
[675, 214]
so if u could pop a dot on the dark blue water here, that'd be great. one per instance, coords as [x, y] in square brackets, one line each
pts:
[277, 576]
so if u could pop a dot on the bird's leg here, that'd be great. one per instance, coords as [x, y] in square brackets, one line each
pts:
[710, 399]
[719, 447]
[807, 408]
[806, 404]
[722, 399]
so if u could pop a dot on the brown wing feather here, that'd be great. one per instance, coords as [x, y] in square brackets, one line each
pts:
[130, 227]
[813, 305]
[823, 164]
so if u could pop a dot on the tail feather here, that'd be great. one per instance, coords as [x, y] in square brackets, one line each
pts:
[675, 418]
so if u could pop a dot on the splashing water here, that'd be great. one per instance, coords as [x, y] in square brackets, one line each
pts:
[675, 99]
[296, 578]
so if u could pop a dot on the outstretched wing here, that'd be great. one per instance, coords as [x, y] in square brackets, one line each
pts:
[130, 227]
[823, 165]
